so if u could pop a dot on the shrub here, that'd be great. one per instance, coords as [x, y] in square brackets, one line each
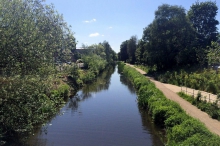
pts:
[211, 87]
[186, 129]
[88, 77]
[27, 102]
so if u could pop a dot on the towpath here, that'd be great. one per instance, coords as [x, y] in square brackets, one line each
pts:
[170, 92]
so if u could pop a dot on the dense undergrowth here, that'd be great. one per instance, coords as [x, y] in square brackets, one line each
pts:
[211, 109]
[27, 102]
[194, 77]
[181, 129]
[205, 80]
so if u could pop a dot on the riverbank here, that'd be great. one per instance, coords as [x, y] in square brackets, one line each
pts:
[103, 113]
[181, 128]
[28, 102]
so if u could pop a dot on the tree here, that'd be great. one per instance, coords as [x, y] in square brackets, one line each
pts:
[97, 56]
[32, 35]
[140, 52]
[128, 49]
[168, 39]
[131, 48]
[123, 51]
[214, 54]
[110, 54]
[202, 15]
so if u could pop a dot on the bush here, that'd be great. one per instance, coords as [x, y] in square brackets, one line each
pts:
[186, 129]
[25, 103]
[88, 77]
[211, 87]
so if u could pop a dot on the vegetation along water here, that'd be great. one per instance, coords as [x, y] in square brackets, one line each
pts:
[103, 113]
[181, 129]
[40, 68]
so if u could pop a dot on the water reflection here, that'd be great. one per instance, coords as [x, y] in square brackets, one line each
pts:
[103, 113]
[101, 83]
[156, 132]
[126, 82]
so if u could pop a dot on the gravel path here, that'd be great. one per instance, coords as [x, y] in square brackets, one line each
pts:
[170, 92]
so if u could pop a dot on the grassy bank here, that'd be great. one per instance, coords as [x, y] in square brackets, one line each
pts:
[180, 128]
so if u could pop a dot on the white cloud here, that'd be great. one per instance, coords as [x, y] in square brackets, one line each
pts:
[110, 27]
[103, 35]
[94, 34]
[90, 21]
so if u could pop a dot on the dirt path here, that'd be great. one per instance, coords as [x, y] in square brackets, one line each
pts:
[170, 92]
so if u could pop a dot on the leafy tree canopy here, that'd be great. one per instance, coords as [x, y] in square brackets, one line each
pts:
[203, 18]
[168, 37]
[32, 35]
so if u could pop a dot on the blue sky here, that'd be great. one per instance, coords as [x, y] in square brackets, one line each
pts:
[115, 21]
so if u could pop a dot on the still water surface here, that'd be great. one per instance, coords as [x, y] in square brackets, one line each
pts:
[104, 113]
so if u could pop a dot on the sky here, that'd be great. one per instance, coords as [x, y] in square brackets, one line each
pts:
[115, 21]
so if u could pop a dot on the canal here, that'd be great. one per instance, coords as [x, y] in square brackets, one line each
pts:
[104, 113]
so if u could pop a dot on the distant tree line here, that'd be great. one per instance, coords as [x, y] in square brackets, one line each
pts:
[95, 59]
[102, 50]
[174, 38]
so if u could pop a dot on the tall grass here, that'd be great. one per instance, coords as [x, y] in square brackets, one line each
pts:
[180, 128]
[205, 80]
[211, 109]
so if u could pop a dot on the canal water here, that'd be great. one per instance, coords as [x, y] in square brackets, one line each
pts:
[104, 113]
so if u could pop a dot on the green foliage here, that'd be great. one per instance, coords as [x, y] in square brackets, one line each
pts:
[94, 63]
[201, 140]
[205, 80]
[33, 35]
[214, 54]
[144, 68]
[189, 127]
[176, 119]
[202, 15]
[27, 102]
[168, 39]
[211, 109]
[123, 54]
[128, 49]
[180, 127]
[88, 77]
[95, 59]
[175, 38]
[109, 53]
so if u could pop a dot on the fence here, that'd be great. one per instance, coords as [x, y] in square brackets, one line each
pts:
[205, 95]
